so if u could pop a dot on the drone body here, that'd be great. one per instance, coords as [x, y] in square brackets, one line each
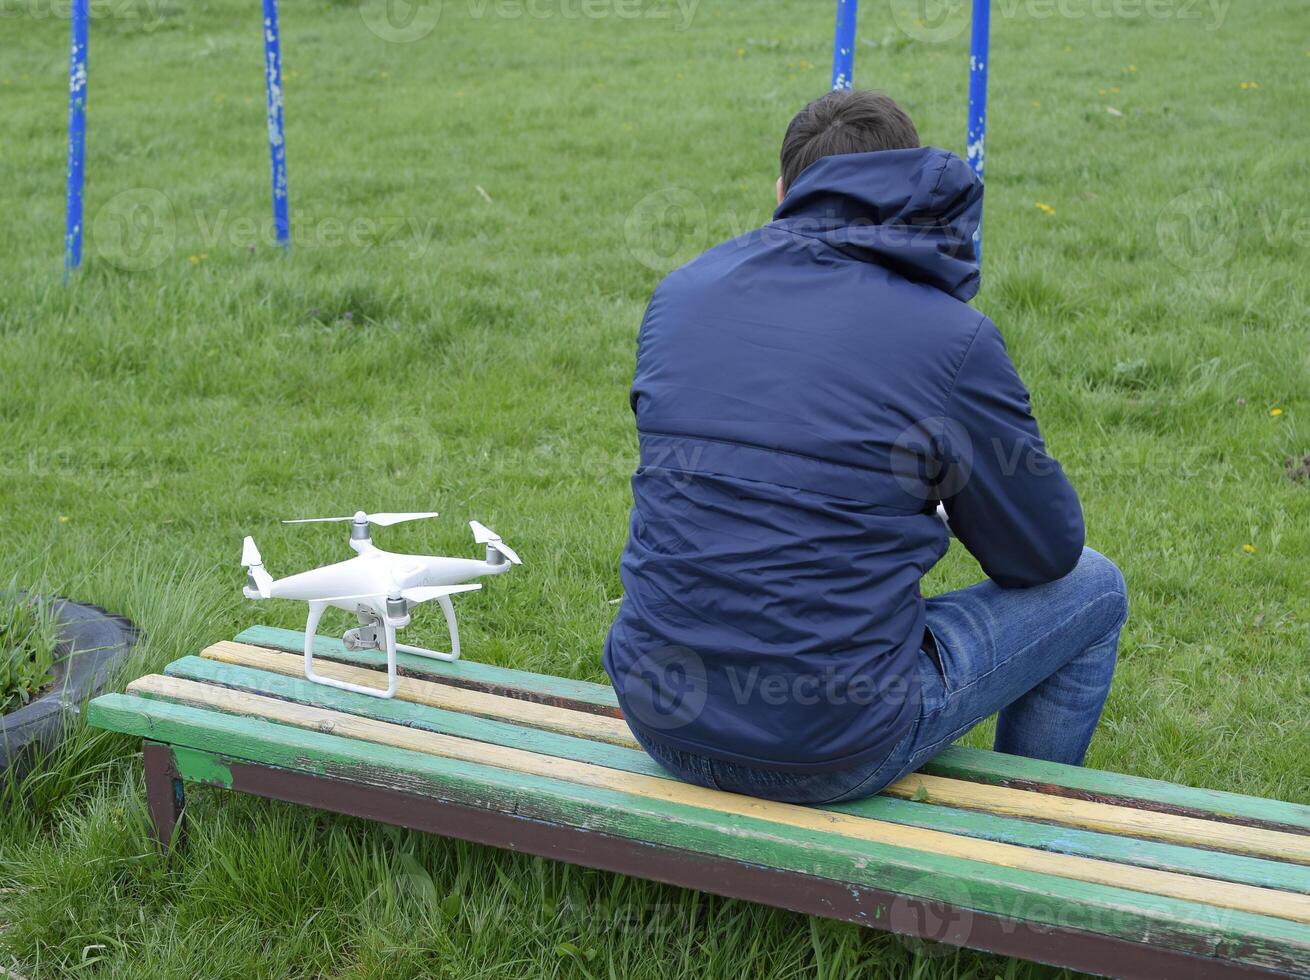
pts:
[381, 588]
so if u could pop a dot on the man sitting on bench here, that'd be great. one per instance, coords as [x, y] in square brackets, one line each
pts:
[805, 395]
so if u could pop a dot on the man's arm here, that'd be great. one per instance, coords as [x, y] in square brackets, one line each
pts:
[1009, 502]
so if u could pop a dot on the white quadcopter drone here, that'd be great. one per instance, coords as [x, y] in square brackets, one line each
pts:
[380, 587]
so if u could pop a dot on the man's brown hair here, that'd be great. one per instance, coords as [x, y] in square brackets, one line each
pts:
[844, 121]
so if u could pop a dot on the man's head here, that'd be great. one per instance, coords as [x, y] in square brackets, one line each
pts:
[843, 121]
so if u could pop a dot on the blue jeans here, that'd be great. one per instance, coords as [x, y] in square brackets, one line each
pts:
[1042, 657]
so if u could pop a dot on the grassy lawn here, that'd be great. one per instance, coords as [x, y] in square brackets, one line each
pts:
[480, 215]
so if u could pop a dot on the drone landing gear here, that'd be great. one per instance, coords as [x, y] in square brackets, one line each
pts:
[366, 638]
[448, 608]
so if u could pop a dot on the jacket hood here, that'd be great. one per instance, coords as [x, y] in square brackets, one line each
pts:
[912, 211]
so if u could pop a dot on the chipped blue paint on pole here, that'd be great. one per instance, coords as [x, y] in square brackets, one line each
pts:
[843, 44]
[976, 145]
[76, 136]
[277, 145]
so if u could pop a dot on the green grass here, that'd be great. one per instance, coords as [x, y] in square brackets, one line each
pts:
[29, 633]
[158, 409]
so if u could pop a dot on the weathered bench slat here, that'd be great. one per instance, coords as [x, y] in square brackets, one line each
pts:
[1108, 817]
[1083, 814]
[930, 815]
[1269, 942]
[1225, 894]
[467, 700]
[961, 762]
[956, 762]
[543, 688]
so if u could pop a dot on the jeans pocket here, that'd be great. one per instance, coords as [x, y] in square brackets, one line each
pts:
[934, 688]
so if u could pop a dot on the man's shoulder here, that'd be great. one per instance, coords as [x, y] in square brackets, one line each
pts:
[710, 263]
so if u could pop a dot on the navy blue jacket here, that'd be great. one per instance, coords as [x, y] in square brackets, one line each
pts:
[804, 395]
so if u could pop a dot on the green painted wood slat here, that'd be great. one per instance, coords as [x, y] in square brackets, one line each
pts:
[1065, 840]
[583, 695]
[957, 762]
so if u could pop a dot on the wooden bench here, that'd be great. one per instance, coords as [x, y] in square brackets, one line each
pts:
[1072, 867]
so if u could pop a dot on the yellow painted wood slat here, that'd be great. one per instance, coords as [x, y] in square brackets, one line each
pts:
[580, 723]
[1263, 901]
[1026, 804]
[1106, 817]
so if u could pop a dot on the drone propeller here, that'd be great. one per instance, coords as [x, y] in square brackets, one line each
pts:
[485, 535]
[384, 519]
[257, 576]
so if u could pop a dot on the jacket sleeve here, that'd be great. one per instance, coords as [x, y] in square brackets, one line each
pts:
[1008, 502]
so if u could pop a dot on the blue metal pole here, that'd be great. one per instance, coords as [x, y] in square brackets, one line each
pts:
[976, 145]
[277, 147]
[76, 137]
[843, 44]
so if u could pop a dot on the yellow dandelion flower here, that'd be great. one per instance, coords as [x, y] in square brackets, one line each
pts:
[1275, 412]
[1249, 549]
[1044, 208]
